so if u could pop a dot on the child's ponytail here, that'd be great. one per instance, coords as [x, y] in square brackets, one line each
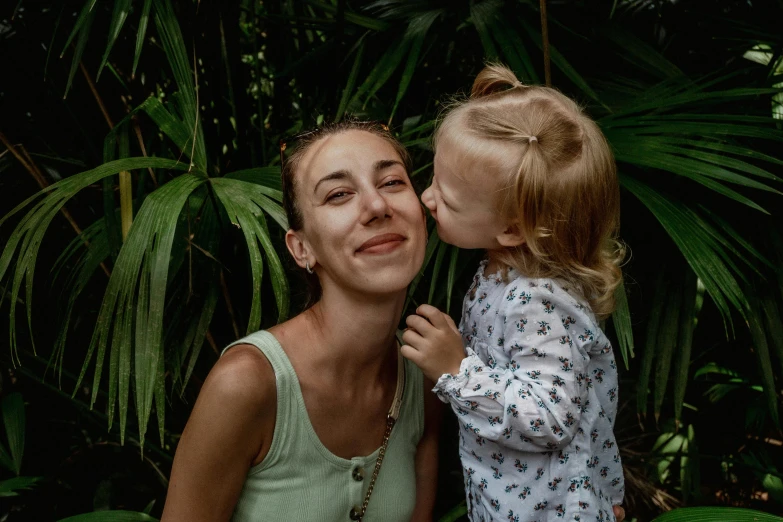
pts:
[550, 140]
[492, 79]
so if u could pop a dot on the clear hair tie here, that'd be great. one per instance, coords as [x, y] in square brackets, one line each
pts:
[531, 139]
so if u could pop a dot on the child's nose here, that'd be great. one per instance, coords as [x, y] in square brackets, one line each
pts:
[428, 199]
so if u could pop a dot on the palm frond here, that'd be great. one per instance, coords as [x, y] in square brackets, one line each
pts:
[137, 287]
[695, 239]
[140, 35]
[666, 342]
[14, 423]
[245, 204]
[691, 306]
[621, 320]
[416, 33]
[716, 514]
[118, 17]
[187, 99]
[25, 241]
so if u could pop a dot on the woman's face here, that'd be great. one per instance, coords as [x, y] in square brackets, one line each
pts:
[363, 228]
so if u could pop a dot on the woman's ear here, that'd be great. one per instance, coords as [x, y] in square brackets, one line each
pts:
[511, 237]
[297, 246]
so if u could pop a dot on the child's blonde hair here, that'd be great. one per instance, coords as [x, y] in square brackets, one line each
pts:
[557, 176]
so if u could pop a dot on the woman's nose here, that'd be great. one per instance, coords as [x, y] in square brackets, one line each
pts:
[377, 206]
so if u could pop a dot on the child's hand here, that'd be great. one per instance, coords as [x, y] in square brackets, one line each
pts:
[433, 342]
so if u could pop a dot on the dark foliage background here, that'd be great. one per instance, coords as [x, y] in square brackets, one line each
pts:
[688, 93]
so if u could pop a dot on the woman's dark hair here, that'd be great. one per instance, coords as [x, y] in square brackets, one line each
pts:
[291, 165]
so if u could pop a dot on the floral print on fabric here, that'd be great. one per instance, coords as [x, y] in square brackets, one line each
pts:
[536, 398]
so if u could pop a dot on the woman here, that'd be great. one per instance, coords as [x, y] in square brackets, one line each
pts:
[290, 423]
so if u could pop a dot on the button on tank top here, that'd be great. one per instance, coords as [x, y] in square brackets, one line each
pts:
[300, 479]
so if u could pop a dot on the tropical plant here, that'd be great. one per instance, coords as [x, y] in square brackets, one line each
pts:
[12, 408]
[697, 148]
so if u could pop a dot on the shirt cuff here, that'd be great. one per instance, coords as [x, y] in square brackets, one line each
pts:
[450, 384]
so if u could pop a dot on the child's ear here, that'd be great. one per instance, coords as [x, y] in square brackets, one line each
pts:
[511, 237]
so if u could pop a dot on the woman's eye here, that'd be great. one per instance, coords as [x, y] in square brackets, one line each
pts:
[336, 195]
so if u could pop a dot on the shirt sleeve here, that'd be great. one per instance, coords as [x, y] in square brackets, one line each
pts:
[535, 403]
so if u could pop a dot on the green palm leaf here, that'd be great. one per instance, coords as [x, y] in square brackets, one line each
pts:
[186, 98]
[621, 320]
[77, 279]
[25, 240]
[118, 17]
[82, 28]
[14, 423]
[11, 487]
[143, 22]
[246, 204]
[111, 516]
[138, 287]
[416, 33]
[716, 514]
[695, 239]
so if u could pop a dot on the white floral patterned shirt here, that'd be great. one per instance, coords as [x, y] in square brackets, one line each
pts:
[536, 398]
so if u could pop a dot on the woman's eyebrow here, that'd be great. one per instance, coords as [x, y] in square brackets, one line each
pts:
[385, 164]
[336, 175]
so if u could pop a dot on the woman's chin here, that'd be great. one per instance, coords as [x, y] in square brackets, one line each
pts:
[386, 281]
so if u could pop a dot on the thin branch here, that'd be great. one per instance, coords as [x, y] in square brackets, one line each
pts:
[97, 96]
[229, 306]
[195, 123]
[212, 344]
[30, 166]
[137, 130]
[545, 44]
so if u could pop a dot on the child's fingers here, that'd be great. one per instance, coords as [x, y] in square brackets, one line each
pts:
[433, 315]
[411, 353]
[418, 323]
[412, 338]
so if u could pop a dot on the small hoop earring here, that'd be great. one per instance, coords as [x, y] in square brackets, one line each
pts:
[307, 267]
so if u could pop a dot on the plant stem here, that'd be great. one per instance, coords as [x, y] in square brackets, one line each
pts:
[545, 44]
[126, 191]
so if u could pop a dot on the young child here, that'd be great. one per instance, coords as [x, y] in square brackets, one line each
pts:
[521, 172]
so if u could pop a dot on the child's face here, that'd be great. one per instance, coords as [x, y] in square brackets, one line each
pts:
[463, 203]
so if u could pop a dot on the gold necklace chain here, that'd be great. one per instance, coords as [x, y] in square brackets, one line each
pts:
[391, 418]
[389, 425]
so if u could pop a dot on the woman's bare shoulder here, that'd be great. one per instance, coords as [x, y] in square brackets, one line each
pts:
[242, 377]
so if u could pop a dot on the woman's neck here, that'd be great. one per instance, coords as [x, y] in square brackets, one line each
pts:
[352, 335]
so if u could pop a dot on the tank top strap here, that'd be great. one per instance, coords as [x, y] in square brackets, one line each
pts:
[270, 347]
[288, 420]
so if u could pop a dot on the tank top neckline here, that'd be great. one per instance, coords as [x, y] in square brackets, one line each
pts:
[314, 438]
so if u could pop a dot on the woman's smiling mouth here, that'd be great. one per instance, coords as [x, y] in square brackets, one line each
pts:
[381, 244]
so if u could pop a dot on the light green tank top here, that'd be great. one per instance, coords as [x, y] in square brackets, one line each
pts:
[299, 479]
